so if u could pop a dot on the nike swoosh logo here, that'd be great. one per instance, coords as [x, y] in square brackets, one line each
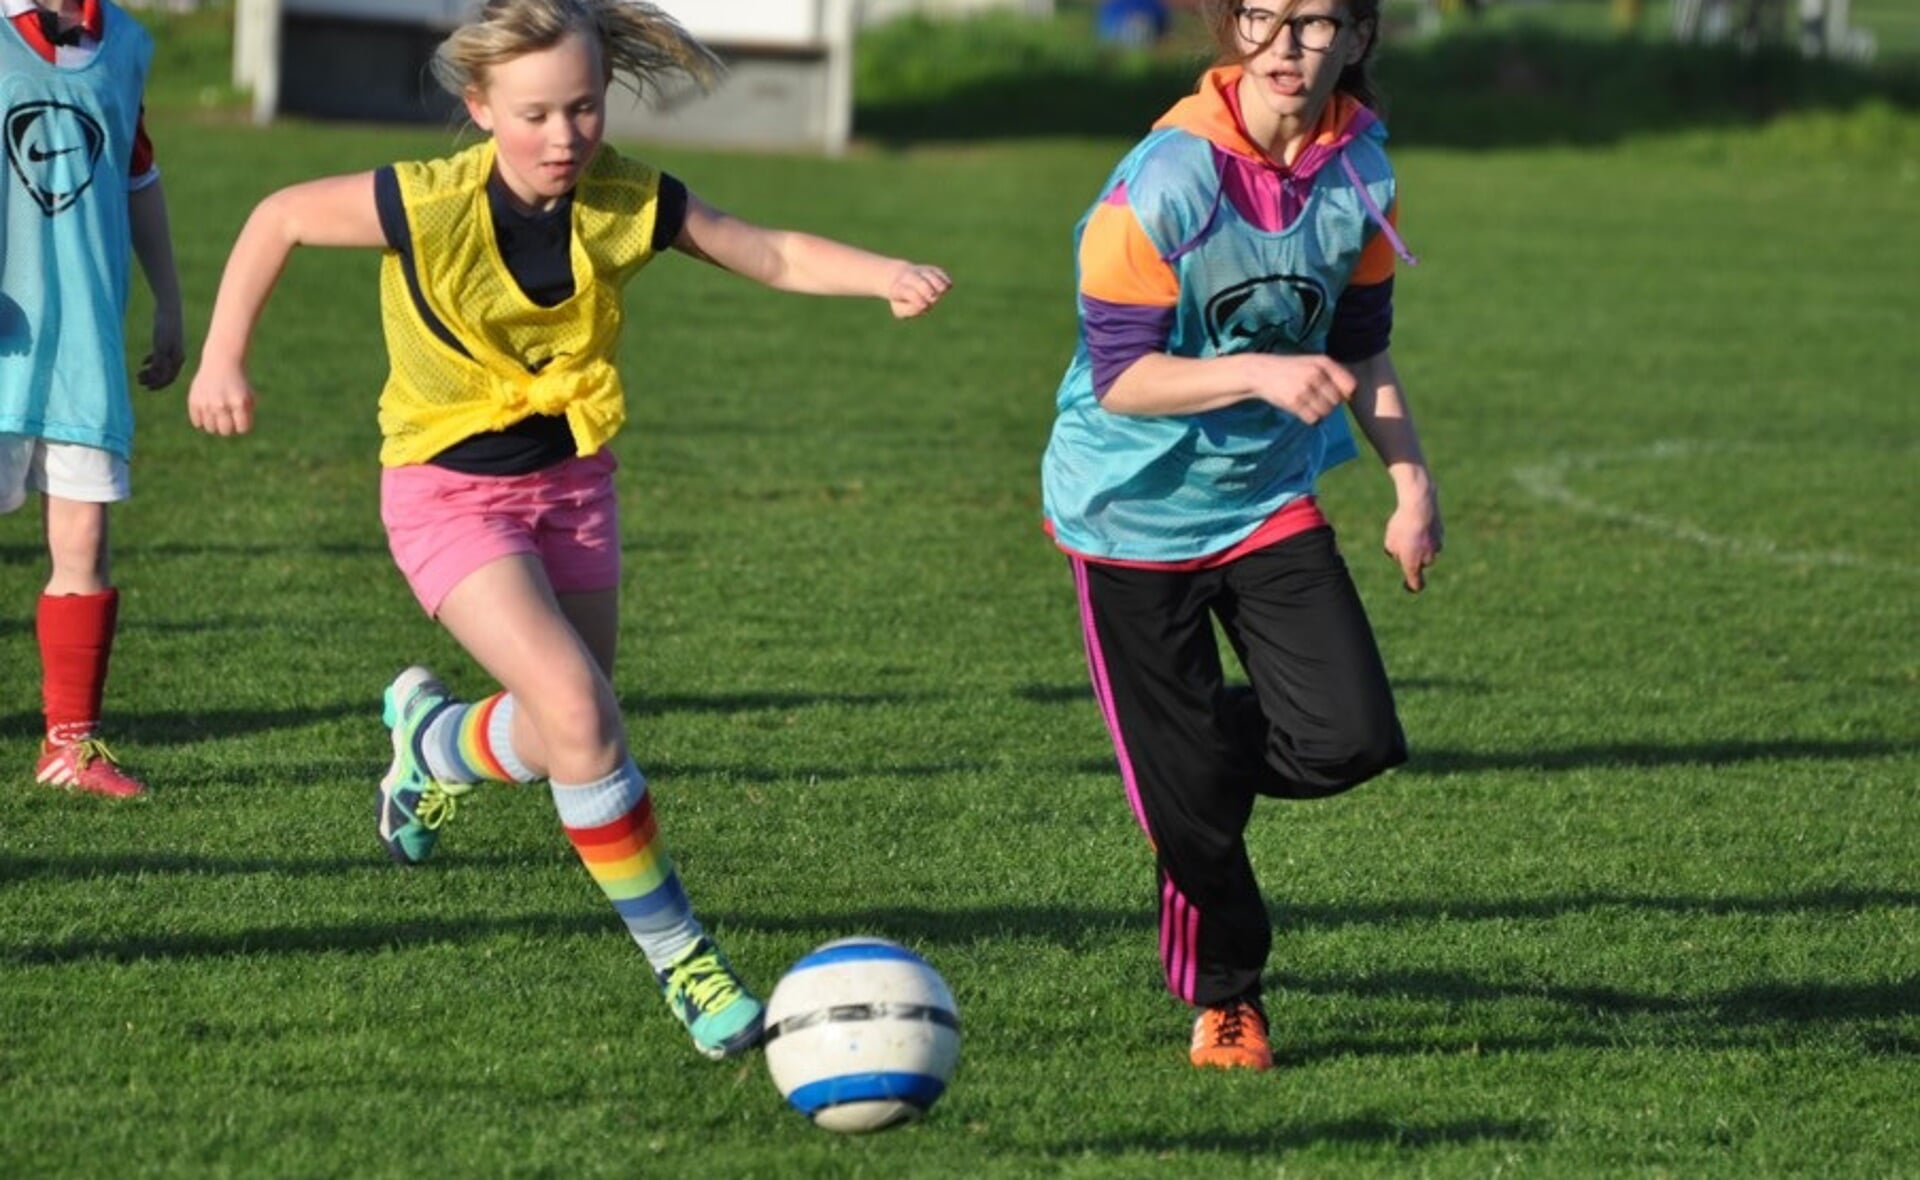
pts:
[40, 155]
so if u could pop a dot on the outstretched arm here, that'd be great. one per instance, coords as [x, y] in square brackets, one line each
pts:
[1414, 532]
[335, 211]
[805, 263]
[153, 246]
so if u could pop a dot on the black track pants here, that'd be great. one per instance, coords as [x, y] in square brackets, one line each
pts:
[1194, 754]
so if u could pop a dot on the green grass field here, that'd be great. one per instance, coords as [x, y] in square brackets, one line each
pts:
[1645, 903]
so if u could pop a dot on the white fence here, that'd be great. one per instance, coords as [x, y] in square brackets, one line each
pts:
[789, 81]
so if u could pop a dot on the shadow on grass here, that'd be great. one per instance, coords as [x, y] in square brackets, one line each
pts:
[1619, 755]
[186, 864]
[1065, 694]
[1067, 927]
[1758, 1016]
[1054, 694]
[164, 728]
[1649, 754]
[655, 704]
[1585, 1015]
[1823, 901]
[369, 937]
[673, 774]
[179, 728]
[1288, 1135]
[1475, 89]
[171, 729]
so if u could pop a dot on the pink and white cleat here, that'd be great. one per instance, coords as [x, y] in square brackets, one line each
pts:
[86, 765]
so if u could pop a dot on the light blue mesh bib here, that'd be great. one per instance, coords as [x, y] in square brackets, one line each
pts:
[64, 244]
[1175, 488]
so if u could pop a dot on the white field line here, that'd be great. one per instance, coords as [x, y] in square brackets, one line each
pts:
[1548, 481]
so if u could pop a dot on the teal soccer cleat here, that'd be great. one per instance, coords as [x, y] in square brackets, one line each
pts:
[710, 1000]
[411, 807]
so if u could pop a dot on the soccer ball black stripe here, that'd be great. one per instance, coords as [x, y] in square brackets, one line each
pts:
[882, 1010]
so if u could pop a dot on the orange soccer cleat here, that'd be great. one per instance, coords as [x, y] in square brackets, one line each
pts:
[1232, 1036]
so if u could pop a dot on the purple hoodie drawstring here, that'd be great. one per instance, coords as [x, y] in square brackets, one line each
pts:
[1373, 211]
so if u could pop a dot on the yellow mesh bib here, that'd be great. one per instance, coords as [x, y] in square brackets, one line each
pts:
[434, 397]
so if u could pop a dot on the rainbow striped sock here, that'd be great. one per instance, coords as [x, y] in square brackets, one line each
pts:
[611, 825]
[474, 743]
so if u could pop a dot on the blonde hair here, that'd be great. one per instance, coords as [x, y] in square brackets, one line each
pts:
[640, 45]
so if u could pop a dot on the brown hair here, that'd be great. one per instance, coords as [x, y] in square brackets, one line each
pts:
[1362, 16]
[640, 45]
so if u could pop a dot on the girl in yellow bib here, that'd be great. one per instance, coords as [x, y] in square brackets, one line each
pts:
[500, 296]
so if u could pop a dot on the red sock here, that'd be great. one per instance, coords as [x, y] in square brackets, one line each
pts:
[76, 641]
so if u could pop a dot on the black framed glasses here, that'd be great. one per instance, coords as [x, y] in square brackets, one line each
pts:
[1312, 32]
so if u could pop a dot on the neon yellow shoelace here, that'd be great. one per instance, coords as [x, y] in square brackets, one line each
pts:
[705, 983]
[439, 802]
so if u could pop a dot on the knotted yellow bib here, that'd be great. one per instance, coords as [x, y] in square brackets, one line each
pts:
[523, 359]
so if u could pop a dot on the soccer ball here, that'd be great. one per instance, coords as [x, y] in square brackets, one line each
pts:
[862, 1034]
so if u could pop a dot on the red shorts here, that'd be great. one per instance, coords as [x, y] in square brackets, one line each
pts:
[443, 525]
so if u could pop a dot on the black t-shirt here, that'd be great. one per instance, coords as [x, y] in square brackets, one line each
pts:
[536, 247]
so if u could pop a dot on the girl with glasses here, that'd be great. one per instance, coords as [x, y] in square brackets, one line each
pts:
[1236, 304]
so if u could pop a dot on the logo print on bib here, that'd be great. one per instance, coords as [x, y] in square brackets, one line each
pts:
[1275, 313]
[53, 148]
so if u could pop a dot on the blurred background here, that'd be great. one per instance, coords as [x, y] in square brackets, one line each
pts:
[819, 74]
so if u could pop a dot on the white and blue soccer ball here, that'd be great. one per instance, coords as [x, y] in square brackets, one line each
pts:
[861, 1034]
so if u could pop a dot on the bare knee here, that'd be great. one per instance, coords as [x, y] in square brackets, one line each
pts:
[77, 546]
[580, 727]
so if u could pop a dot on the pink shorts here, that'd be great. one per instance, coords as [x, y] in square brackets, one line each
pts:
[443, 525]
